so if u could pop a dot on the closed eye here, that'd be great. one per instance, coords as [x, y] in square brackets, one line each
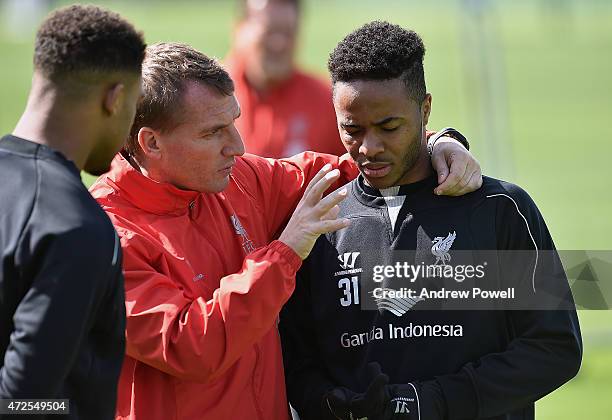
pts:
[389, 128]
[212, 132]
[351, 131]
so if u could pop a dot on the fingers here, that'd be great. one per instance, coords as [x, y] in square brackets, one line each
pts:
[331, 214]
[376, 377]
[316, 191]
[326, 226]
[313, 215]
[458, 171]
[319, 175]
[439, 164]
[375, 397]
[339, 396]
[475, 181]
[472, 184]
[377, 385]
[333, 199]
[471, 180]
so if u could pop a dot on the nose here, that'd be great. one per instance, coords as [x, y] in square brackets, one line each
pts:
[370, 146]
[235, 145]
[278, 43]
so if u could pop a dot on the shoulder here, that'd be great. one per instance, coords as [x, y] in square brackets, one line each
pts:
[112, 200]
[68, 205]
[91, 240]
[252, 169]
[65, 212]
[134, 226]
[506, 191]
[18, 193]
[315, 84]
[253, 176]
[250, 164]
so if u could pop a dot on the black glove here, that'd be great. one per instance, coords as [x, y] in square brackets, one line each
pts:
[345, 404]
[415, 401]
[404, 403]
[411, 401]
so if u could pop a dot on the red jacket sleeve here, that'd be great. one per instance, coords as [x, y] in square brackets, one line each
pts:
[281, 182]
[200, 339]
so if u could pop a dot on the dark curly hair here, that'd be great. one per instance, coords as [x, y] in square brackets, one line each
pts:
[82, 38]
[381, 51]
[166, 69]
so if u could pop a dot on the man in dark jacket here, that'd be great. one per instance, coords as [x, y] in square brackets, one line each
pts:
[62, 314]
[360, 338]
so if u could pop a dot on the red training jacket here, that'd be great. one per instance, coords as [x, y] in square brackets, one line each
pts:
[205, 282]
[295, 116]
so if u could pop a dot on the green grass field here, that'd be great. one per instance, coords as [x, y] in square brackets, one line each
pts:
[555, 107]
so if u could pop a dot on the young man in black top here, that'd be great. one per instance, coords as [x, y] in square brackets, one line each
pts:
[62, 313]
[401, 361]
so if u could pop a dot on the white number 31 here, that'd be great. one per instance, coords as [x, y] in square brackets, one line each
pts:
[350, 288]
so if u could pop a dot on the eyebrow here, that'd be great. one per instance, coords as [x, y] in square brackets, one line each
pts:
[387, 120]
[220, 126]
[381, 122]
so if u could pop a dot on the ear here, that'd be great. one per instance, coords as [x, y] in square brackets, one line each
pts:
[148, 140]
[113, 99]
[426, 109]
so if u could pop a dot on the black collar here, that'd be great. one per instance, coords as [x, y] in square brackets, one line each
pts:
[406, 189]
[419, 195]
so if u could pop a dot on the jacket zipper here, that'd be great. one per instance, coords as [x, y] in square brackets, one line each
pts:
[191, 207]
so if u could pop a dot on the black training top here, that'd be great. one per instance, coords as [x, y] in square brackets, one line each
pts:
[483, 363]
[62, 309]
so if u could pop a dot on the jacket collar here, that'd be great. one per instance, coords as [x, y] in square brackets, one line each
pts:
[145, 193]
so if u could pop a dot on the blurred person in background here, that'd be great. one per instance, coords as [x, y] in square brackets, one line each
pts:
[284, 109]
[20, 17]
[205, 274]
[62, 310]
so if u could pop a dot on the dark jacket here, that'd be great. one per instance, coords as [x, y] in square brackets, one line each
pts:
[62, 310]
[483, 363]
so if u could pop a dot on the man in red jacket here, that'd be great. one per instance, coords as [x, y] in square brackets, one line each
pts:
[285, 110]
[204, 277]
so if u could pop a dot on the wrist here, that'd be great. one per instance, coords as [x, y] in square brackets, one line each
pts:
[448, 132]
[289, 254]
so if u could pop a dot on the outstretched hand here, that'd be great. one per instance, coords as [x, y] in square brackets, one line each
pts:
[315, 215]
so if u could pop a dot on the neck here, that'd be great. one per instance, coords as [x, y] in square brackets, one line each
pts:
[420, 170]
[140, 164]
[46, 120]
[136, 164]
[259, 83]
